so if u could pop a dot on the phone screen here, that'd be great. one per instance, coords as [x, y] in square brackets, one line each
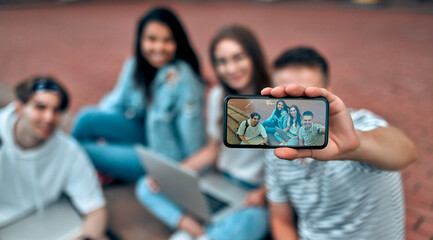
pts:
[266, 122]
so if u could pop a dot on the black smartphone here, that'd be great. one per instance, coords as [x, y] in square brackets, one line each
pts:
[252, 121]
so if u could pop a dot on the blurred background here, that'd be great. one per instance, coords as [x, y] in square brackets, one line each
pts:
[380, 53]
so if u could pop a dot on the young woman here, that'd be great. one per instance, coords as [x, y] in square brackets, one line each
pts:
[278, 117]
[293, 125]
[240, 66]
[157, 102]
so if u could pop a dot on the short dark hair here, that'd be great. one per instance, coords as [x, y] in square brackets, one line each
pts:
[303, 56]
[255, 114]
[308, 113]
[27, 88]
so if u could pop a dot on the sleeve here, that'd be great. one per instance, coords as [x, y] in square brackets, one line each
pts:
[263, 131]
[115, 100]
[275, 192]
[285, 120]
[213, 113]
[82, 184]
[241, 129]
[365, 120]
[319, 127]
[300, 134]
[190, 120]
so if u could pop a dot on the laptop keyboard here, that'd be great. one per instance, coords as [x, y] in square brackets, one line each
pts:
[214, 204]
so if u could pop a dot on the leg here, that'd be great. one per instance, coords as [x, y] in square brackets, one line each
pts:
[158, 204]
[119, 161]
[247, 224]
[269, 126]
[93, 123]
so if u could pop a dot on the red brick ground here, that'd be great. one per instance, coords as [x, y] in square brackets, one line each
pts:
[381, 59]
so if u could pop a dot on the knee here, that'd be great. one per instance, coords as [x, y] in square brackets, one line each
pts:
[84, 121]
[142, 191]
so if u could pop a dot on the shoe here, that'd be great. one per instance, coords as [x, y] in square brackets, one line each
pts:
[181, 235]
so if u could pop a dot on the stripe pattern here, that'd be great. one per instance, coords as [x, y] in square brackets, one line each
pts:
[340, 199]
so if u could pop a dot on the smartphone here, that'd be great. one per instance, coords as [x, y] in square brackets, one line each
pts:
[252, 121]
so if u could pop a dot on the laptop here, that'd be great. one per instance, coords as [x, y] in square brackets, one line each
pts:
[209, 198]
[59, 221]
[284, 135]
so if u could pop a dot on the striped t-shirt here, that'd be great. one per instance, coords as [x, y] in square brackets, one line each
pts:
[340, 199]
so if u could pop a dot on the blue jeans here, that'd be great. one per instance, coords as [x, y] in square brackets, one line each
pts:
[270, 126]
[108, 139]
[248, 223]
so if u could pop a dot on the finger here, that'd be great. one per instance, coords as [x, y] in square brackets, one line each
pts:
[278, 92]
[286, 153]
[295, 90]
[266, 91]
[290, 153]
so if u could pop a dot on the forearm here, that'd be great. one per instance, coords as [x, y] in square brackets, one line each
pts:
[386, 148]
[281, 230]
[95, 224]
[282, 224]
[244, 139]
[204, 157]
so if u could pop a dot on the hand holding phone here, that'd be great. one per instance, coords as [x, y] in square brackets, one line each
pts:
[342, 136]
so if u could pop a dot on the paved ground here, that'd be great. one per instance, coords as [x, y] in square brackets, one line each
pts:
[381, 59]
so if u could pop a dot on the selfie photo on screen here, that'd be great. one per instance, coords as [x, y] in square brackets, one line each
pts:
[254, 121]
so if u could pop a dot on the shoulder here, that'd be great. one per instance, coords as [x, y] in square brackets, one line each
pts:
[182, 69]
[6, 116]
[67, 143]
[366, 120]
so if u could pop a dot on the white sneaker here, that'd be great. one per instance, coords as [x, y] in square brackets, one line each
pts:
[181, 235]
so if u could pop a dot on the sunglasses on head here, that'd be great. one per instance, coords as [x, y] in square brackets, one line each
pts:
[45, 86]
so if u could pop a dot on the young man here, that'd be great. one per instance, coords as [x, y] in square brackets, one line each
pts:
[254, 133]
[38, 162]
[311, 134]
[349, 190]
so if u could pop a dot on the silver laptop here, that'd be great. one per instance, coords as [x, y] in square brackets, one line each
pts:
[59, 221]
[209, 198]
[284, 135]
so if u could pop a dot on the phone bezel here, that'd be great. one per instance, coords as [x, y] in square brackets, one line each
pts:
[270, 97]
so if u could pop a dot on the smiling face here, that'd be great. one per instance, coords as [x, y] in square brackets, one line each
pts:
[40, 116]
[233, 65]
[307, 120]
[158, 44]
[280, 106]
[254, 121]
[293, 112]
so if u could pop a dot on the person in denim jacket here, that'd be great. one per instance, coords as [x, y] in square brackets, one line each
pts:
[240, 66]
[157, 102]
[278, 117]
[293, 125]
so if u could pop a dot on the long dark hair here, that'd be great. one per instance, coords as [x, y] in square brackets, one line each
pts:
[285, 107]
[251, 46]
[292, 120]
[144, 71]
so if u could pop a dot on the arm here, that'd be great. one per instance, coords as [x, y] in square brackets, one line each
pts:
[114, 100]
[95, 224]
[386, 148]
[264, 142]
[281, 220]
[244, 139]
[189, 122]
[203, 158]
[256, 197]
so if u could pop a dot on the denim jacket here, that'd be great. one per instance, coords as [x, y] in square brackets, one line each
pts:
[280, 122]
[174, 124]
